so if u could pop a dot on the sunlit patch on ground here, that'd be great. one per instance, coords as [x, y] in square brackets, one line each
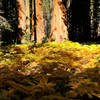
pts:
[51, 71]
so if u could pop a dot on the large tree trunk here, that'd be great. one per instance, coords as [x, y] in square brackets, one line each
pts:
[21, 21]
[59, 29]
[37, 21]
[27, 9]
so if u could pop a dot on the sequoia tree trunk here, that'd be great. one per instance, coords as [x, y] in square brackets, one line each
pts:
[59, 29]
[21, 21]
[37, 21]
[27, 9]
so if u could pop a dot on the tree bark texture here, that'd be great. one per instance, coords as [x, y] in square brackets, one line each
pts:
[27, 9]
[21, 20]
[47, 28]
[59, 29]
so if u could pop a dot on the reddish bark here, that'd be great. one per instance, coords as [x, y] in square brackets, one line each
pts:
[33, 31]
[21, 20]
[59, 29]
[39, 21]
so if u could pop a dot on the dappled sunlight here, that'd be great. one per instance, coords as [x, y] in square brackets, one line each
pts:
[61, 71]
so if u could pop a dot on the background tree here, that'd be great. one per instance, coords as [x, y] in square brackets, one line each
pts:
[47, 17]
[96, 18]
[8, 12]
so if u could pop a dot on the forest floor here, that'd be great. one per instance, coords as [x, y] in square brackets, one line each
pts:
[50, 71]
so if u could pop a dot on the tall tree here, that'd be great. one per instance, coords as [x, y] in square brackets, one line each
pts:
[27, 9]
[34, 37]
[21, 21]
[47, 15]
[95, 18]
[58, 28]
[37, 21]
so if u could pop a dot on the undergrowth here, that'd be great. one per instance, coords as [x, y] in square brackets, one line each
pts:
[50, 71]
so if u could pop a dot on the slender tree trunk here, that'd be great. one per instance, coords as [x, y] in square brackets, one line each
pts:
[33, 24]
[92, 19]
[98, 18]
[35, 35]
[59, 29]
[95, 18]
[21, 21]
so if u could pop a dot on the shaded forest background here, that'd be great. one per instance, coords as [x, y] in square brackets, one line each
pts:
[23, 21]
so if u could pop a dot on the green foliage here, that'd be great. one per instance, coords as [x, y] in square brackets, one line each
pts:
[27, 37]
[53, 39]
[6, 27]
[52, 71]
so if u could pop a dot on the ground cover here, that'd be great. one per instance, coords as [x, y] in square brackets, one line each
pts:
[50, 71]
